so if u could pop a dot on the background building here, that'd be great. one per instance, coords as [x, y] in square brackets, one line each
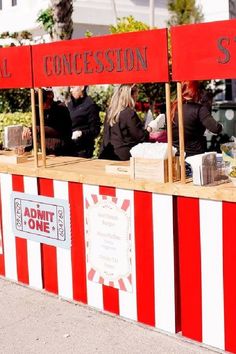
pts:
[93, 15]
[96, 15]
[214, 10]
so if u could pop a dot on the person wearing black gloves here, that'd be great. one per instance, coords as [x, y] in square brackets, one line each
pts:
[85, 120]
[57, 123]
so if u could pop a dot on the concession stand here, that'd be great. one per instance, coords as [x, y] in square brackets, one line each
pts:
[206, 232]
[162, 254]
[70, 228]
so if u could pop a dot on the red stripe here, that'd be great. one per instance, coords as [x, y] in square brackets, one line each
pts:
[122, 284]
[95, 198]
[144, 257]
[176, 267]
[110, 295]
[114, 200]
[78, 254]
[49, 253]
[190, 267]
[125, 205]
[21, 244]
[101, 280]
[2, 263]
[229, 269]
[91, 274]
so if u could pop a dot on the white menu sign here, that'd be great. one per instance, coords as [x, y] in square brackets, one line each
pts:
[108, 241]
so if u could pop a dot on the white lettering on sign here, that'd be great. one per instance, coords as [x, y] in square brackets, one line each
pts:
[108, 238]
[41, 219]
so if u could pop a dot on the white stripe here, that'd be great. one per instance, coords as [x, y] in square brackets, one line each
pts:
[212, 273]
[33, 248]
[8, 236]
[164, 276]
[128, 300]
[64, 264]
[94, 290]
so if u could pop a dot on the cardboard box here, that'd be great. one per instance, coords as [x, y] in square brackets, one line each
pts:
[153, 169]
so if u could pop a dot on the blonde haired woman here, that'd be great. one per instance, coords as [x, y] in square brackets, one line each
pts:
[122, 127]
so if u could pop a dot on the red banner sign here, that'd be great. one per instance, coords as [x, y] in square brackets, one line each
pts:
[119, 58]
[15, 67]
[204, 51]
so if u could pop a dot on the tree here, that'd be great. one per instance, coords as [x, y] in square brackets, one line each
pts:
[46, 20]
[16, 38]
[62, 17]
[184, 12]
[57, 19]
[128, 24]
[57, 22]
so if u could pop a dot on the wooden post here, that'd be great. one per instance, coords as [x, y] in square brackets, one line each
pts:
[34, 129]
[42, 128]
[181, 132]
[169, 133]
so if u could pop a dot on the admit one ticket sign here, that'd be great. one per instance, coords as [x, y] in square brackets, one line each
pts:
[41, 219]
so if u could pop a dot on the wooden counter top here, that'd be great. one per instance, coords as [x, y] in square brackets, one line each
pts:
[92, 171]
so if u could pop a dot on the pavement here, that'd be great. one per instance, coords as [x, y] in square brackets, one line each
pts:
[37, 322]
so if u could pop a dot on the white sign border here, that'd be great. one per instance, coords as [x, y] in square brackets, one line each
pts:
[125, 282]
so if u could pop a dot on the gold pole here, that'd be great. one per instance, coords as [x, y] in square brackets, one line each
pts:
[34, 128]
[181, 131]
[42, 128]
[169, 133]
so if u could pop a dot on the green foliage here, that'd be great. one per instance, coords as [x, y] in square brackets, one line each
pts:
[184, 12]
[128, 24]
[46, 20]
[14, 119]
[98, 140]
[88, 34]
[14, 100]
[101, 95]
[26, 35]
[17, 37]
[4, 35]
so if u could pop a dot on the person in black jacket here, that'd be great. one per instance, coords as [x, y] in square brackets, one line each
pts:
[85, 120]
[197, 118]
[57, 123]
[122, 127]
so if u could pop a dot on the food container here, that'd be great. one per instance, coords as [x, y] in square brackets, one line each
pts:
[229, 152]
[232, 175]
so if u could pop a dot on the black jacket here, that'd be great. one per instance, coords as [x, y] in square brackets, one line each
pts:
[121, 137]
[57, 129]
[197, 119]
[84, 115]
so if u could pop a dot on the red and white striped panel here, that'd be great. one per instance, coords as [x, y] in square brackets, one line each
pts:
[64, 269]
[2, 263]
[152, 300]
[207, 246]
[22, 258]
[64, 272]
